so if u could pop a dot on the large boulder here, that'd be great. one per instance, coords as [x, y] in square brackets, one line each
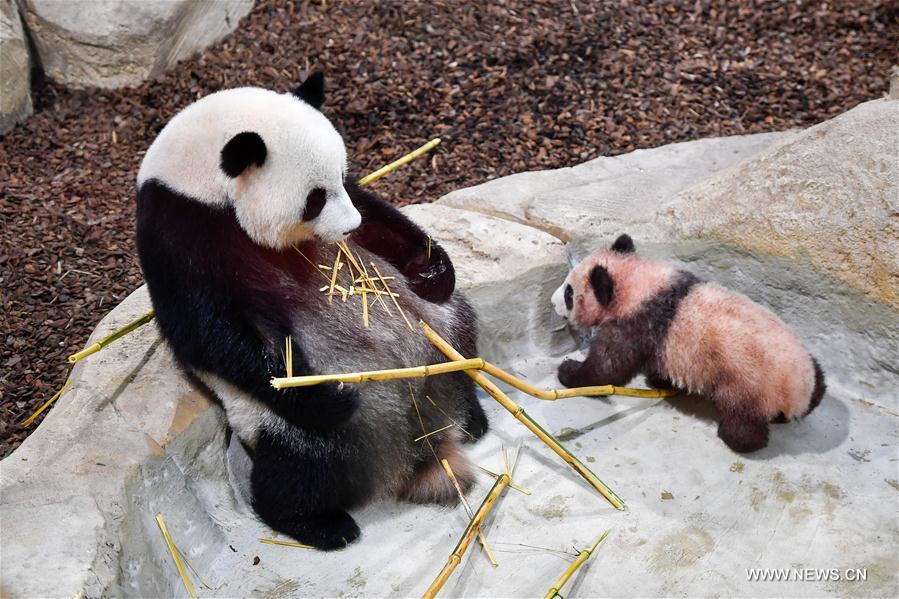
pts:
[134, 436]
[15, 68]
[829, 195]
[110, 43]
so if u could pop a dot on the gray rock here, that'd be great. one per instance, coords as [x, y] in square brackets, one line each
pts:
[829, 195]
[116, 43]
[15, 68]
[134, 437]
[607, 195]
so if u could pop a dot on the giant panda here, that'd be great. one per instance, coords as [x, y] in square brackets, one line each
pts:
[688, 334]
[233, 190]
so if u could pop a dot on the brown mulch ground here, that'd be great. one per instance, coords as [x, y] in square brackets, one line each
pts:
[509, 86]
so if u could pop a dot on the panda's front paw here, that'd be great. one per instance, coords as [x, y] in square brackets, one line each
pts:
[433, 277]
[569, 373]
[329, 405]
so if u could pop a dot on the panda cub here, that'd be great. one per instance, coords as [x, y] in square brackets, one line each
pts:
[688, 334]
[239, 197]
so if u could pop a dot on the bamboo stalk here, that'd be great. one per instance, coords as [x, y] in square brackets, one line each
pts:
[46, 404]
[378, 375]
[471, 530]
[94, 348]
[481, 538]
[176, 555]
[554, 394]
[519, 413]
[386, 170]
[512, 484]
[582, 557]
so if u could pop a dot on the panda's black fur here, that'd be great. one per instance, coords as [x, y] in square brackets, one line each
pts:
[225, 304]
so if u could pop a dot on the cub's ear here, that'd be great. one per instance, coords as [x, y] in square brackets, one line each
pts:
[624, 244]
[312, 91]
[603, 285]
[241, 151]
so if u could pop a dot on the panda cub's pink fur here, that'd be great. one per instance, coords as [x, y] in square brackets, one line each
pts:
[693, 335]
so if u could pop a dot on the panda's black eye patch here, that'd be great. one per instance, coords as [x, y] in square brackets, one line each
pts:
[569, 297]
[315, 202]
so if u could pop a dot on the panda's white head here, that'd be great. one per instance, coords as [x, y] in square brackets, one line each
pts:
[273, 158]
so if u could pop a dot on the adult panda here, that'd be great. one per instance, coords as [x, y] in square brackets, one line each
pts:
[234, 185]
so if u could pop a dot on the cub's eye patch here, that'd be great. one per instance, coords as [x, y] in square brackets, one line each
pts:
[315, 202]
[569, 297]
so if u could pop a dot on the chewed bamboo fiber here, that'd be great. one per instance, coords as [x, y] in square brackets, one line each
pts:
[95, 347]
[378, 375]
[582, 557]
[523, 417]
[471, 530]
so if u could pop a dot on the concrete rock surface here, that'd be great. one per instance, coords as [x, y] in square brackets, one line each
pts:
[116, 43]
[828, 196]
[15, 68]
[134, 437]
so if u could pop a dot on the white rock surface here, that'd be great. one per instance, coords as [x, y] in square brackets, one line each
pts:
[134, 437]
[116, 43]
[829, 195]
[15, 68]
[603, 195]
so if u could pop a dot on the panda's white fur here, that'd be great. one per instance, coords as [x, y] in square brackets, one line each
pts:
[304, 152]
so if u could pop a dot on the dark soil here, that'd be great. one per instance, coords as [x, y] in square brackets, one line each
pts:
[510, 86]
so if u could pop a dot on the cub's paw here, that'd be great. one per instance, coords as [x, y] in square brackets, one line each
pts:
[569, 373]
[329, 405]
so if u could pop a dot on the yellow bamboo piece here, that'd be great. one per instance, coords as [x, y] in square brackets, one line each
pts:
[334, 277]
[378, 375]
[481, 538]
[94, 348]
[386, 170]
[176, 555]
[393, 296]
[519, 413]
[555, 394]
[473, 527]
[286, 543]
[46, 404]
[582, 557]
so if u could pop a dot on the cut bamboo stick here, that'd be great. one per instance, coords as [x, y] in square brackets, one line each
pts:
[386, 170]
[94, 348]
[46, 404]
[582, 557]
[554, 394]
[523, 417]
[471, 530]
[439, 430]
[481, 538]
[378, 375]
[176, 555]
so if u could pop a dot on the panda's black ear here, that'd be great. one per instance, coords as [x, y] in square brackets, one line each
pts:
[312, 91]
[603, 285]
[241, 151]
[624, 244]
